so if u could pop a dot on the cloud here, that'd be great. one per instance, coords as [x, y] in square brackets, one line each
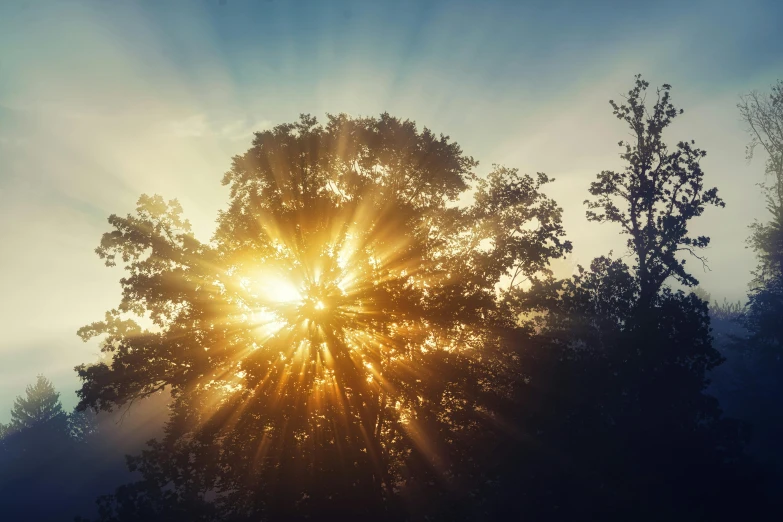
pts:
[202, 126]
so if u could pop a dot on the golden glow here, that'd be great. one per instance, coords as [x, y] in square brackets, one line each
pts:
[327, 319]
[274, 288]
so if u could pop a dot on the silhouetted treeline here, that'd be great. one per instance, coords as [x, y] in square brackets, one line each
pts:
[354, 345]
[54, 464]
[750, 384]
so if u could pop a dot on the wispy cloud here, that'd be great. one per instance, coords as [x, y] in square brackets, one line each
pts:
[202, 126]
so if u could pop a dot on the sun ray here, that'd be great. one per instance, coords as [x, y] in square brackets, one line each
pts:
[321, 327]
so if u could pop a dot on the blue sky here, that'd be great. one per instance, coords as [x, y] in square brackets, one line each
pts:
[102, 100]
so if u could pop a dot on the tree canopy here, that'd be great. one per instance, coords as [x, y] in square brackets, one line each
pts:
[659, 192]
[752, 386]
[616, 375]
[374, 331]
[327, 350]
[39, 406]
[38, 458]
[763, 114]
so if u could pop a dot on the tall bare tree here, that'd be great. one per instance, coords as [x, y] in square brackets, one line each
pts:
[763, 114]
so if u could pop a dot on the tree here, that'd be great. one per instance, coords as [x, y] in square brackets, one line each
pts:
[755, 351]
[616, 374]
[40, 407]
[54, 472]
[36, 475]
[38, 429]
[4, 432]
[82, 425]
[656, 195]
[627, 413]
[757, 356]
[764, 118]
[327, 352]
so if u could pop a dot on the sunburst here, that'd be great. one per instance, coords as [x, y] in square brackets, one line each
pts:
[336, 319]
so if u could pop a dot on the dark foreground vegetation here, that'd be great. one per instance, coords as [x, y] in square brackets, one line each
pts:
[353, 344]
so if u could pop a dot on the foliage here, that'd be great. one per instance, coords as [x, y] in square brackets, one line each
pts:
[54, 471]
[82, 425]
[619, 399]
[766, 240]
[727, 311]
[354, 342]
[37, 455]
[657, 194]
[764, 118]
[702, 294]
[756, 356]
[39, 407]
[616, 373]
[327, 352]
[749, 384]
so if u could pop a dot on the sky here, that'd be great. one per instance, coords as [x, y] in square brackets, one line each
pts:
[104, 100]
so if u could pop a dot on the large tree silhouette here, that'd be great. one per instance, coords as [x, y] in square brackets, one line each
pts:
[660, 190]
[616, 374]
[328, 351]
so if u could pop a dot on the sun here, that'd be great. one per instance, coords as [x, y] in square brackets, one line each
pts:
[307, 298]
[327, 315]
[273, 287]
